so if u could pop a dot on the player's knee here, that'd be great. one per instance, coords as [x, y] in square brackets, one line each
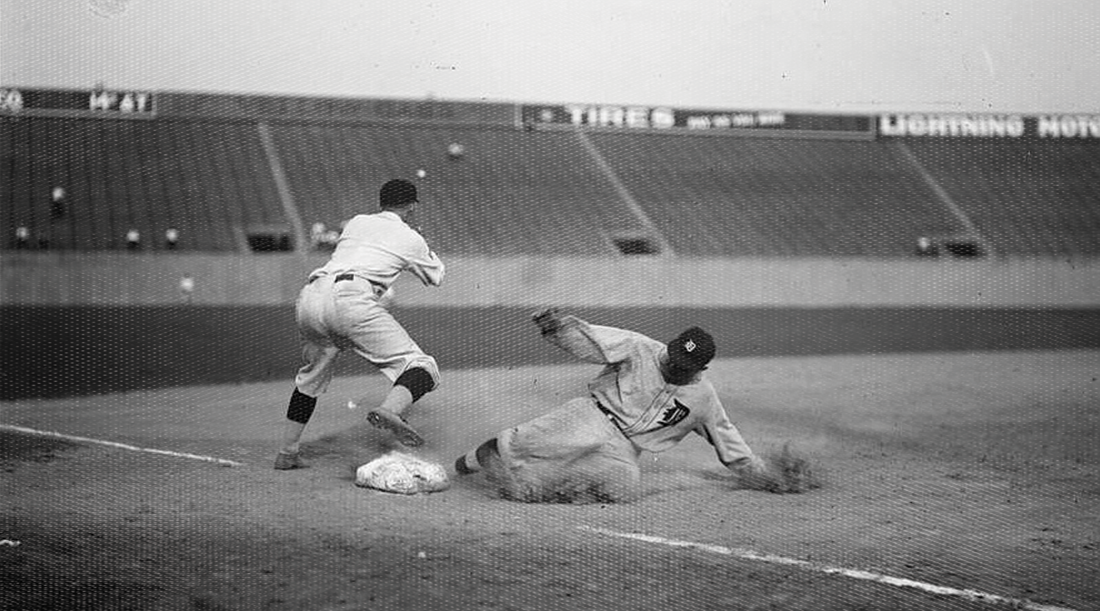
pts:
[418, 380]
[301, 407]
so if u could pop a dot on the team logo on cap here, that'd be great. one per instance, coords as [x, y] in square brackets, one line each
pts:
[689, 346]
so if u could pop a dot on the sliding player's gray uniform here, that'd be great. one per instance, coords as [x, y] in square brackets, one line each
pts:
[339, 307]
[597, 439]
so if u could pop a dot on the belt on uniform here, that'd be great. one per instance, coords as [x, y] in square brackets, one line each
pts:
[610, 416]
[342, 277]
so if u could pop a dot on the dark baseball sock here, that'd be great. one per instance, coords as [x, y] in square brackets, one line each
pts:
[301, 407]
[417, 380]
[475, 461]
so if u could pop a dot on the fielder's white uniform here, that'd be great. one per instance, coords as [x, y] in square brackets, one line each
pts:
[597, 439]
[338, 308]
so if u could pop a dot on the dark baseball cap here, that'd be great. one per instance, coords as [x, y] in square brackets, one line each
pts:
[692, 348]
[396, 193]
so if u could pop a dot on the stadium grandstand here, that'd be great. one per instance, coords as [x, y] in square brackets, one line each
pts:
[95, 171]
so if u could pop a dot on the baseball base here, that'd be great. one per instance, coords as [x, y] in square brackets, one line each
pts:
[403, 474]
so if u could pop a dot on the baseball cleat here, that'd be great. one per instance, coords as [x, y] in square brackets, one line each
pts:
[385, 419]
[285, 461]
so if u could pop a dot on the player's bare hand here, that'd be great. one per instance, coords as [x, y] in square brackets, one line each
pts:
[386, 299]
[785, 471]
[543, 313]
[547, 319]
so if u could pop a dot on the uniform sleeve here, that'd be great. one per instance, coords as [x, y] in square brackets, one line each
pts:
[427, 266]
[732, 450]
[594, 343]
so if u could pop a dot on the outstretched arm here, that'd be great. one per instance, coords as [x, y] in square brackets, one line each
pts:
[427, 267]
[779, 473]
[732, 450]
[588, 342]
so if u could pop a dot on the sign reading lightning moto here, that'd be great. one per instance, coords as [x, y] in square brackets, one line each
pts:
[990, 125]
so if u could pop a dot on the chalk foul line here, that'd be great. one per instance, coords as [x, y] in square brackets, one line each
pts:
[123, 446]
[746, 554]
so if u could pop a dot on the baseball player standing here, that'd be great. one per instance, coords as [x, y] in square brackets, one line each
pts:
[343, 307]
[648, 396]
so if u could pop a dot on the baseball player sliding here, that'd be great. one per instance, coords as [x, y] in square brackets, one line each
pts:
[343, 307]
[648, 396]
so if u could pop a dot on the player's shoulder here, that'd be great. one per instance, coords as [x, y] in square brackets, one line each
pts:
[374, 217]
[358, 219]
[702, 386]
[646, 343]
[644, 348]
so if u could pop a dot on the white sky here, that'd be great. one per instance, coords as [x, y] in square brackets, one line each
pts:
[1029, 56]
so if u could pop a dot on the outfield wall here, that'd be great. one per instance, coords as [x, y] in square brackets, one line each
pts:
[129, 279]
[73, 324]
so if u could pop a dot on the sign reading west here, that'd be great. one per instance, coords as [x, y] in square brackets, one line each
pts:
[59, 101]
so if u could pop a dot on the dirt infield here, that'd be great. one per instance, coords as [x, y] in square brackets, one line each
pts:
[972, 471]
